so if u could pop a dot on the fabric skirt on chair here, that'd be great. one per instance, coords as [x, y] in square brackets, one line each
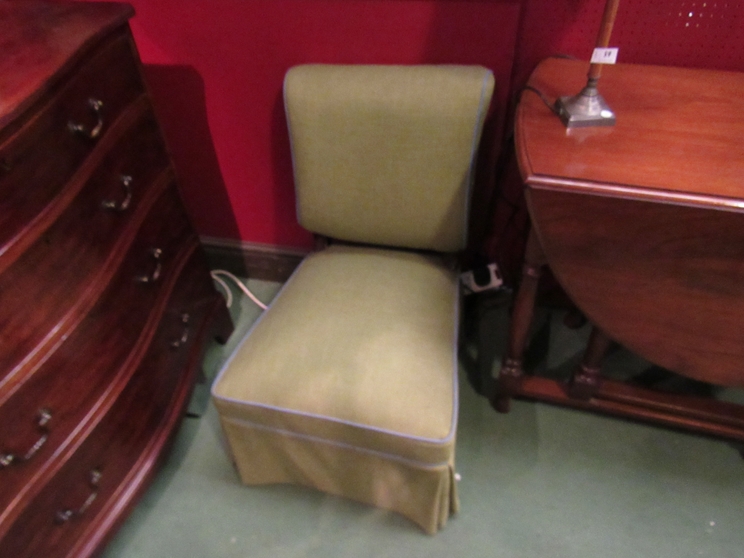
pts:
[348, 383]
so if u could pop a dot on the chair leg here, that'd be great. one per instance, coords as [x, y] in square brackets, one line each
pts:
[510, 376]
[586, 378]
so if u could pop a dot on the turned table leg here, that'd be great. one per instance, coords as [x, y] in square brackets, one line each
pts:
[509, 380]
[586, 378]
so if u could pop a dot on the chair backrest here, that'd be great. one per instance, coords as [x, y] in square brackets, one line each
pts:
[385, 154]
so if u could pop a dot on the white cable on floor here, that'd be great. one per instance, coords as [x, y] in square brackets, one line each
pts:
[228, 292]
[215, 275]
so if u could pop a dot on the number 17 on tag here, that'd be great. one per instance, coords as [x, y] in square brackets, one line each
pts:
[604, 56]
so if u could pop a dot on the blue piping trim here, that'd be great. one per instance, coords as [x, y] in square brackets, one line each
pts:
[436, 441]
[316, 439]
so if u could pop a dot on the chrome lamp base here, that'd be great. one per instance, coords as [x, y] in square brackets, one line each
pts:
[588, 108]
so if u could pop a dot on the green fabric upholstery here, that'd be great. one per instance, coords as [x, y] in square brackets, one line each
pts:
[348, 382]
[370, 139]
[357, 355]
[358, 318]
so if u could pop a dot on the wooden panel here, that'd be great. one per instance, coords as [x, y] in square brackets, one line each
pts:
[658, 278]
[105, 297]
[35, 57]
[79, 267]
[642, 224]
[674, 140]
[38, 160]
[111, 337]
[115, 445]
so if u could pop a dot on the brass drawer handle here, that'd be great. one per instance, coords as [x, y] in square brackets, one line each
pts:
[185, 318]
[65, 515]
[96, 106]
[8, 458]
[123, 205]
[157, 255]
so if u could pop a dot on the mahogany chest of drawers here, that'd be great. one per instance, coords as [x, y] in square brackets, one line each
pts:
[105, 296]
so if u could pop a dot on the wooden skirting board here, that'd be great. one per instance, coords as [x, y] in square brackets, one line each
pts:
[257, 261]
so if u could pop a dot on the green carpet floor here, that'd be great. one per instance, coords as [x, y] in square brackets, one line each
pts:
[541, 481]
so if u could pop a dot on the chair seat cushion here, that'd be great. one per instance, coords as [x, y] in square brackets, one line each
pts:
[356, 355]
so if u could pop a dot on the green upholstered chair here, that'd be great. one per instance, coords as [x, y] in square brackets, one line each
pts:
[348, 382]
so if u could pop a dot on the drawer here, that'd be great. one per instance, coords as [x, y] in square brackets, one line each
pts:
[102, 208]
[101, 470]
[48, 292]
[38, 159]
[74, 376]
[119, 183]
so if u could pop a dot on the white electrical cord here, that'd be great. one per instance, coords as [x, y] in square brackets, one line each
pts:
[216, 276]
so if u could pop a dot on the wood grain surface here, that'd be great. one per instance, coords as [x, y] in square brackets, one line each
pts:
[642, 223]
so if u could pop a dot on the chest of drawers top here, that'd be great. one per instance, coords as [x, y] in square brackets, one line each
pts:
[41, 43]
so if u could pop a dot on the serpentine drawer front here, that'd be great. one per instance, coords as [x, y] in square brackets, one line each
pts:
[45, 152]
[105, 296]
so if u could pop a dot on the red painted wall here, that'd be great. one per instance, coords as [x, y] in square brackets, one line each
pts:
[215, 68]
